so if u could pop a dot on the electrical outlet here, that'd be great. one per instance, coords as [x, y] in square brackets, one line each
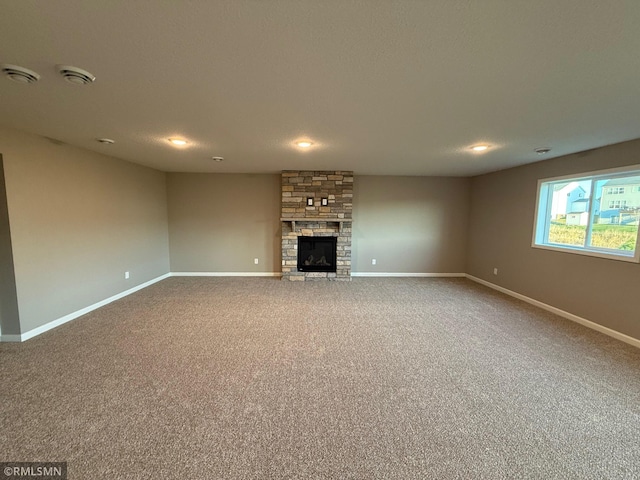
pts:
[126, 275]
[255, 260]
[373, 261]
[495, 271]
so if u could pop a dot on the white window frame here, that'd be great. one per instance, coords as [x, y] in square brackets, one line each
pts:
[542, 221]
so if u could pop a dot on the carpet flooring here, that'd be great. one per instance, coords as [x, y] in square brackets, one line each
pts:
[257, 378]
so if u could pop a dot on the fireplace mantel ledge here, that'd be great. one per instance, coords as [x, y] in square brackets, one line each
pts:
[315, 220]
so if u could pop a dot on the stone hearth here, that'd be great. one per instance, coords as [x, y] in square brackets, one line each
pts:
[303, 214]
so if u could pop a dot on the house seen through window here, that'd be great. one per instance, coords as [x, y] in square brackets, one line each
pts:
[593, 214]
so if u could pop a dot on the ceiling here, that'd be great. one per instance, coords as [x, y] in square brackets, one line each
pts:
[381, 87]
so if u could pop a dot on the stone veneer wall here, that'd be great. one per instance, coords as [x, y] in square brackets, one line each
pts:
[316, 220]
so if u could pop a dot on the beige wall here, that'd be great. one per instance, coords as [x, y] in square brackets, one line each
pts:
[500, 232]
[9, 321]
[221, 222]
[410, 224]
[78, 221]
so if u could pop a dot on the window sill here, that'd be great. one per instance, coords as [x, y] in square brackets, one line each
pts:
[630, 258]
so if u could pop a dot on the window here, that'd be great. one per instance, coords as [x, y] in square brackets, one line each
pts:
[617, 204]
[594, 214]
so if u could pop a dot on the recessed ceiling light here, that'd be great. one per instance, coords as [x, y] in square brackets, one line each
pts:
[178, 141]
[75, 75]
[304, 144]
[217, 159]
[19, 74]
[479, 148]
[105, 141]
[542, 150]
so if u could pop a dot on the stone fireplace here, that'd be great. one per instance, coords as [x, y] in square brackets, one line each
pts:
[316, 225]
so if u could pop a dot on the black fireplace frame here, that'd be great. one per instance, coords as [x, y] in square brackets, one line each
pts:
[318, 268]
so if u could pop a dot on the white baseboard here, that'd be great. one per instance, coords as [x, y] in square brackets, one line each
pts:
[279, 274]
[569, 316]
[394, 274]
[226, 274]
[72, 316]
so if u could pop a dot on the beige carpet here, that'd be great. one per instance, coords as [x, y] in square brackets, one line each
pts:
[229, 378]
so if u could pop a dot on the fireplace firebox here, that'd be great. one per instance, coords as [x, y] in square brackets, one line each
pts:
[317, 254]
